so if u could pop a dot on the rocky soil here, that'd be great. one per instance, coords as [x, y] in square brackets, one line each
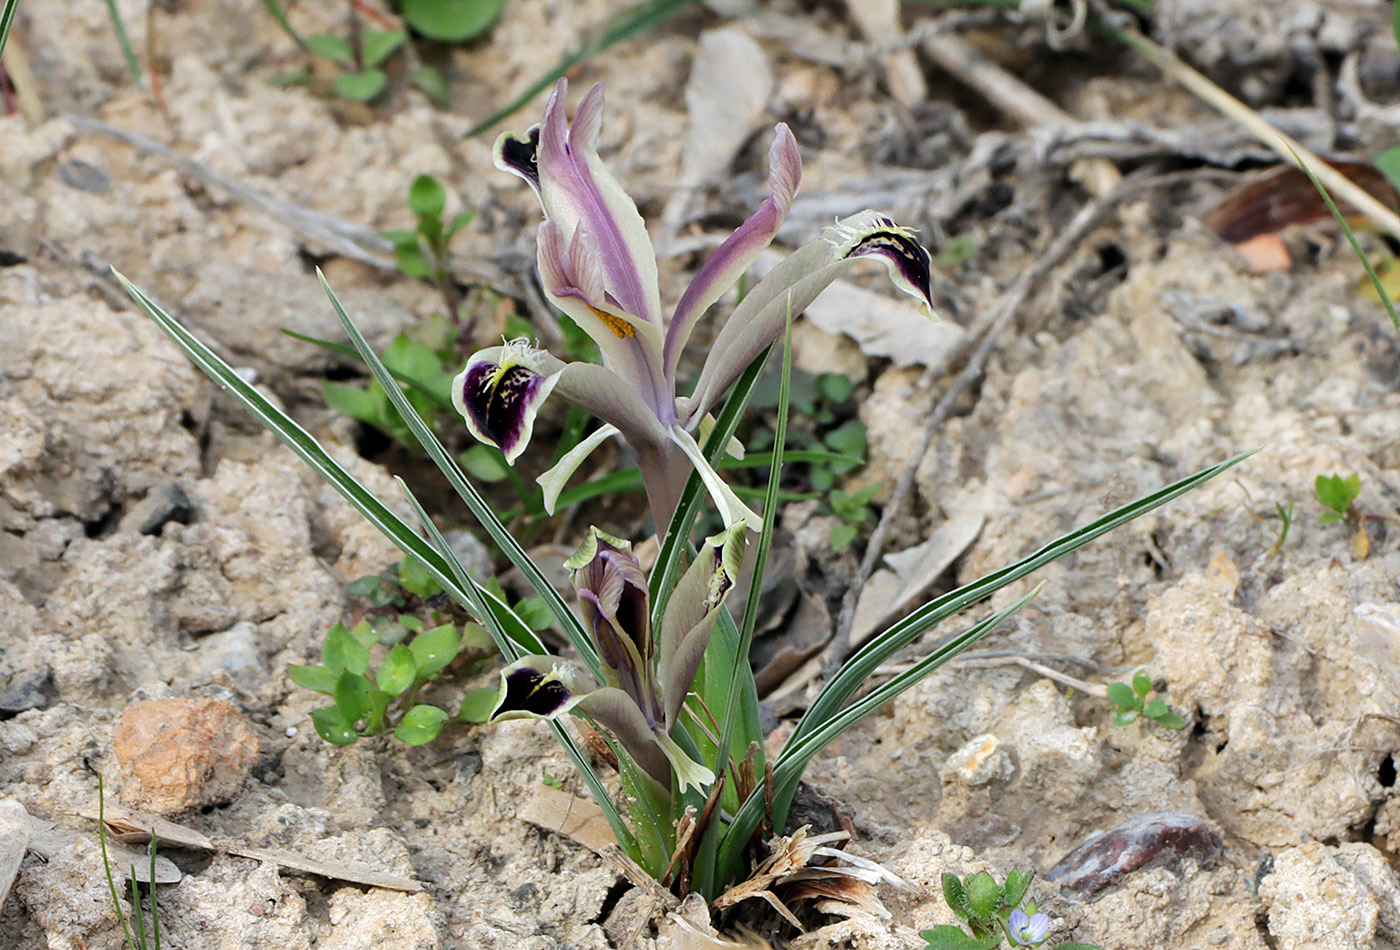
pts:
[157, 547]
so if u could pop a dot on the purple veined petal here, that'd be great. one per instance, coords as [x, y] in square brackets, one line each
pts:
[729, 261]
[731, 509]
[1025, 930]
[572, 274]
[613, 600]
[554, 480]
[536, 687]
[500, 390]
[795, 283]
[575, 187]
[691, 614]
[615, 711]
[518, 154]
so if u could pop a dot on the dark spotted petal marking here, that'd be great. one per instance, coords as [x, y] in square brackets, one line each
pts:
[499, 392]
[910, 266]
[535, 687]
[519, 155]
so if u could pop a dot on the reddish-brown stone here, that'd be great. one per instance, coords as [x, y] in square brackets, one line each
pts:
[178, 754]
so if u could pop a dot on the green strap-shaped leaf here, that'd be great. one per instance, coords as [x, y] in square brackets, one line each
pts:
[570, 624]
[825, 718]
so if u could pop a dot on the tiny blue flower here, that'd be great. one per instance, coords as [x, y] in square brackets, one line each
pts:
[1027, 931]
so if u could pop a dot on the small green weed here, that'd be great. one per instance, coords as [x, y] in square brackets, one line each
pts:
[136, 935]
[1285, 517]
[422, 251]
[993, 913]
[366, 706]
[1338, 495]
[1130, 702]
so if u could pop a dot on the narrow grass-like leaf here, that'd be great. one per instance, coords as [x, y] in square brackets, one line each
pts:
[638, 18]
[740, 675]
[275, 10]
[496, 619]
[1351, 236]
[570, 624]
[303, 444]
[133, 65]
[102, 804]
[828, 705]
[866, 660]
[7, 19]
[787, 772]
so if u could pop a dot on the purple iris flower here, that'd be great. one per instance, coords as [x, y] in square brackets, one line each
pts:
[647, 674]
[597, 265]
[1027, 930]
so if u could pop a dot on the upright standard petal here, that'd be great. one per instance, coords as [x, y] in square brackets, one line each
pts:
[691, 614]
[500, 390]
[575, 187]
[615, 711]
[572, 274]
[729, 261]
[795, 283]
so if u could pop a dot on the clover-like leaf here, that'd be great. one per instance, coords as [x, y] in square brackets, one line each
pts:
[379, 45]
[362, 86]
[450, 21]
[317, 678]
[478, 704]
[1336, 492]
[433, 649]
[426, 197]
[420, 725]
[331, 725]
[948, 937]
[1017, 883]
[1125, 717]
[397, 672]
[342, 652]
[1121, 695]
[983, 895]
[329, 47]
[1142, 683]
[352, 696]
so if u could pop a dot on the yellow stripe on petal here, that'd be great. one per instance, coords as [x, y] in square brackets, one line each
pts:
[617, 325]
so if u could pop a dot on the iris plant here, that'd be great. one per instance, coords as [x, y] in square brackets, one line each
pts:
[597, 265]
[697, 786]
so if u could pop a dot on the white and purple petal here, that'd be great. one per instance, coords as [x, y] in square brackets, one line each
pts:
[731, 508]
[500, 390]
[729, 261]
[554, 480]
[575, 187]
[536, 687]
[572, 274]
[792, 285]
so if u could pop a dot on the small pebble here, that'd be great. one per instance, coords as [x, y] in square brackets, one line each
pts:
[1159, 839]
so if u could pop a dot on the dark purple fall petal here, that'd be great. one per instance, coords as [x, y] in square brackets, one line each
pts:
[906, 254]
[530, 692]
[500, 401]
[1160, 839]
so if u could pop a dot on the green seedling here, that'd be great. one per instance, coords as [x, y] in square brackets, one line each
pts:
[357, 62]
[1285, 517]
[371, 703]
[992, 913]
[136, 935]
[426, 374]
[1338, 495]
[1130, 702]
[422, 251]
[853, 508]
